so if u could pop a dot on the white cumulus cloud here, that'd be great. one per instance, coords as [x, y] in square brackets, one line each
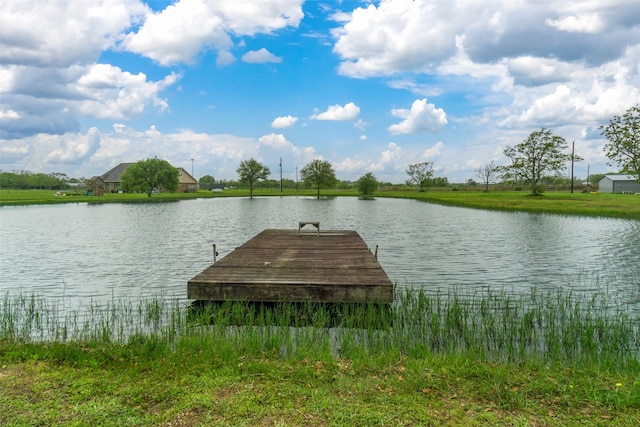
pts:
[433, 152]
[390, 159]
[390, 37]
[248, 17]
[9, 115]
[277, 141]
[338, 112]
[260, 56]
[283, 122]
[178, 33]
[188, 27]
[61, 33]
[531, 71]
[110, 92]
[422, 117]
[395, 35]
[225, 58]
[588, 23]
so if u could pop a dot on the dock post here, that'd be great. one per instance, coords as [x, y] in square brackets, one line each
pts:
[214, 253]
[376, 253]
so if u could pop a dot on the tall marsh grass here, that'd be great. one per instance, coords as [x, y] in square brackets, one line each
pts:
[494, 327]
[33, 318]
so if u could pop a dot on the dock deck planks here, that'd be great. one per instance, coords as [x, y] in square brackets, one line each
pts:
[279, 265]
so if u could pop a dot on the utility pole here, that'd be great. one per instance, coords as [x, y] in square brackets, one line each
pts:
[573, 151]
[192, 167]
[280, 175]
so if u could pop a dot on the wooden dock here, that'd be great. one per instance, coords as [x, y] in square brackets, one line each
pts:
[293, 266]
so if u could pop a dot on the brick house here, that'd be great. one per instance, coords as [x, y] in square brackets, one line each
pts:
[111, 181]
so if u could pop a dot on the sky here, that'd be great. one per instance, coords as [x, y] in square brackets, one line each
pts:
[369, 86]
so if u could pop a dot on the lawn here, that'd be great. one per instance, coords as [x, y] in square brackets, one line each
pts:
[558, 202]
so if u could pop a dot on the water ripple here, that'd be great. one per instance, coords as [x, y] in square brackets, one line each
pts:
[83, 252]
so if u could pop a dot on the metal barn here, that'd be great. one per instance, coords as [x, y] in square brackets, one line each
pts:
[619, 184]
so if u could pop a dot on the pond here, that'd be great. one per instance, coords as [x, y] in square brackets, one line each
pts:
[80, 253]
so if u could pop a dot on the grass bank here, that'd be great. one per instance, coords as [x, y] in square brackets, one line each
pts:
[435, 359]
[565, 203]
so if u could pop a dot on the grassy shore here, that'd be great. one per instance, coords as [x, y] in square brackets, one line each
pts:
[435, 359]
[557, 202]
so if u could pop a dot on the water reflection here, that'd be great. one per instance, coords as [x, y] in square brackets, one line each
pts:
[100, 252]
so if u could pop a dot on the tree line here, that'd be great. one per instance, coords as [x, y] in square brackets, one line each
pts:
[541, 157]
[27, 180]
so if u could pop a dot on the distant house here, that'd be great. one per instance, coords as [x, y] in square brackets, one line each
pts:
[619, 184]
[111, 181]
[186, 183]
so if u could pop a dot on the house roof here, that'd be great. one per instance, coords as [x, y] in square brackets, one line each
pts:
[114, 174]
[619, 177]
[185, 177]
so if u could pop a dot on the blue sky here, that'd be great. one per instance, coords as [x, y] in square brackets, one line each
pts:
[370, 86]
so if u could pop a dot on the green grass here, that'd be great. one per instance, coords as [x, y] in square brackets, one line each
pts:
[29, 197]
[585, 204]
[435, 359]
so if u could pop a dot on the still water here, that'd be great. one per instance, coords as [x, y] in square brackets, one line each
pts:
[82, 253]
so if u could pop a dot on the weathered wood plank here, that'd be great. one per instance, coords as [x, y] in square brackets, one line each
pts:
[286, 292]
[279, 265]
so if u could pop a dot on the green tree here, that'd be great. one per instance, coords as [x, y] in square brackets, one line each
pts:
[147, 175]
[206, 182]
[623, 134]
[367, 185]
[439, 181]
[538, 156]
[251, 171]
[45, 181]
[207, 179]
[318, 173]
[15, 179]
[420, 174]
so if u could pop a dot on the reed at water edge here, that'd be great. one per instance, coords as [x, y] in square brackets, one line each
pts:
[551, 327]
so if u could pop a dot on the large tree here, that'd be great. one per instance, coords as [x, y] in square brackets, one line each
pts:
[150, 174]
[318, 173]
[420, 174]
[367, 185]
[251, 171]
[623, 134]
[538, 156]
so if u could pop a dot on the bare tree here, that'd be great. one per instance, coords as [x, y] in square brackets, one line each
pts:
[486, 172]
